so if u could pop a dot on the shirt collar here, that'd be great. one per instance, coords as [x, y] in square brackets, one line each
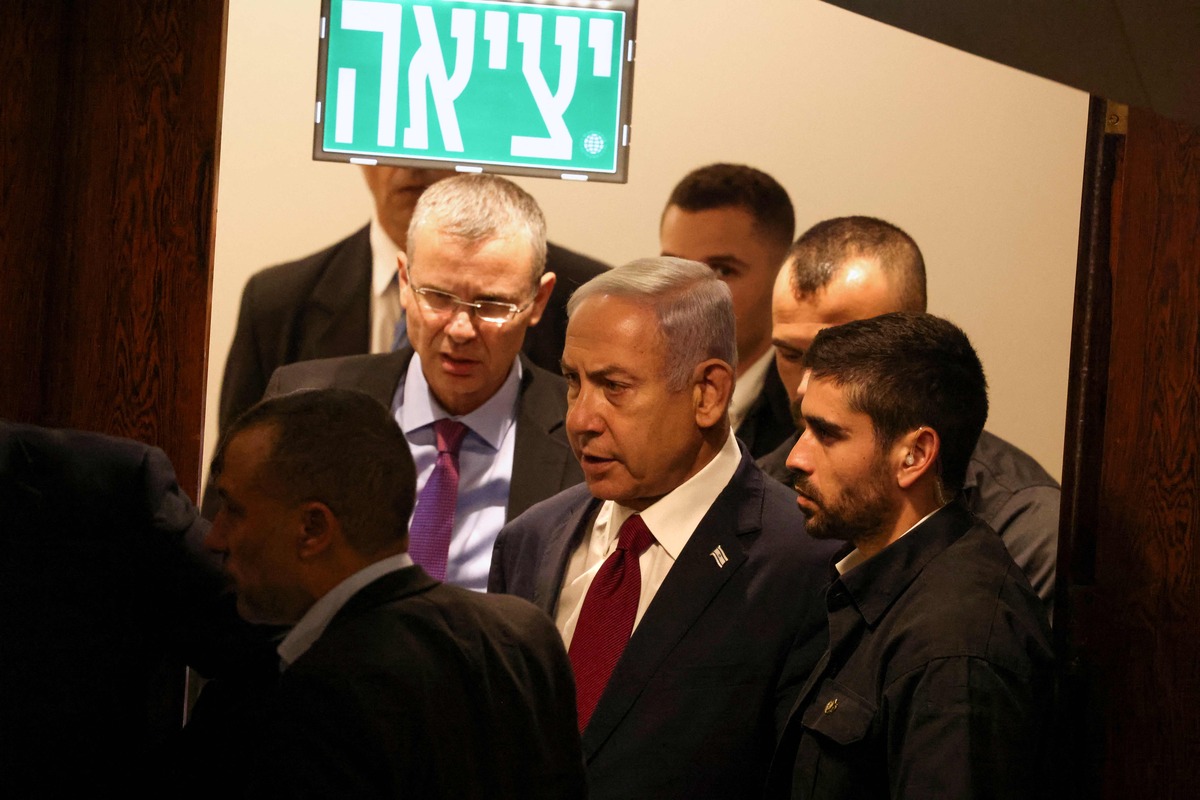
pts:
[749, 386]
[855, 556]
[674, 516]
[383, 258]
[490, 421]
[877, 581]
[321, 613]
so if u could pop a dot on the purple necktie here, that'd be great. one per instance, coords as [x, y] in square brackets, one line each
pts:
[606, 619]
[433, 521]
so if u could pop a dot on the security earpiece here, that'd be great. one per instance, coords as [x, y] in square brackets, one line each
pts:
[908, 460]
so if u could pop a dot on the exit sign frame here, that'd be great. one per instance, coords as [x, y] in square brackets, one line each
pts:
[517, 87]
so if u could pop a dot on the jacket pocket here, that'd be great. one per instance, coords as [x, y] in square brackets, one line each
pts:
[838, 714]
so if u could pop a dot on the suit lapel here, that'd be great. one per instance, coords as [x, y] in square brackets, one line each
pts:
[337, 314]
[552, 561]
[540, 460]
[377, 375]
[690, 586]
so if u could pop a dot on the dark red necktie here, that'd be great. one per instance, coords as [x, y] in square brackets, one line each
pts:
[606, 619]
[433, 521]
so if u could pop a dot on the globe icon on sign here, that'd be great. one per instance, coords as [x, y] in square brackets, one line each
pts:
[593, 144]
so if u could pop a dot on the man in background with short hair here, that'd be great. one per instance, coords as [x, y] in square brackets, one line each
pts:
[853, 268]
[739, 221]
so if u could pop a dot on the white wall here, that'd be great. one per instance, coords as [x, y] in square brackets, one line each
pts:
[980, 163]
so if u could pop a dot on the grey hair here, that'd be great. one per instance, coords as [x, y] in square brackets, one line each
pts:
[694, 308]
[478, 208]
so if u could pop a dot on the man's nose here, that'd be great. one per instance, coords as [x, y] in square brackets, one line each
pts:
[581, 413]
[215, 540]
[799, 459]
[460, 327]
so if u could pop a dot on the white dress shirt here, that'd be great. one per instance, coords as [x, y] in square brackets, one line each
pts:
[672, 520]
[385, 289]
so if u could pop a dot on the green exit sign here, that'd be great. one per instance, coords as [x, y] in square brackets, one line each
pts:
[526, 88]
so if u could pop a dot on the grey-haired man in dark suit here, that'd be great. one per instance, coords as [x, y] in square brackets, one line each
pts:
[472, 282]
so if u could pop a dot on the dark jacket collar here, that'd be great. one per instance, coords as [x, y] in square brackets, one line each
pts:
[876, 583]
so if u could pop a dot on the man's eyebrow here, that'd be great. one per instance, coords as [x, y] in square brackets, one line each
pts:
[824, 426]
[610, 371]
[718, 258]
[785, 345]
[494, 298]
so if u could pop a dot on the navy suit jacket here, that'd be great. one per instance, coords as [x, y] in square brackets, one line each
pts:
[105, 593]
[710, 673]
[769, 420]
[543, 463]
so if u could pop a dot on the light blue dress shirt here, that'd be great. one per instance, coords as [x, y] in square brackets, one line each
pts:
[485, 466]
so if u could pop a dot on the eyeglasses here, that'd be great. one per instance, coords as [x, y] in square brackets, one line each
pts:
[438, 302]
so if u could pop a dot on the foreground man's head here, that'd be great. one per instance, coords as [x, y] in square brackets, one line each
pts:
[472, 281]
[893, 409]
[649, 363]
[316, 485]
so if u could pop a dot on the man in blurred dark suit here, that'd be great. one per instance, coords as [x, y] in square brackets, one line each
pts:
[105, 593]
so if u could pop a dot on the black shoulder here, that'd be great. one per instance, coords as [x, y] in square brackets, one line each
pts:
[575, 269]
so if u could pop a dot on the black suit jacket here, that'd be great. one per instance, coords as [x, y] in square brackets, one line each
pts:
[319, 307]
[711, 671]
[543, 463]
[769, 421]
[415, 689]
[105, 593]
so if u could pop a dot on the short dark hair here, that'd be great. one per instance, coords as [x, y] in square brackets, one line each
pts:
[724, 185]
[821, 252]
[904, 371]
[341, 448]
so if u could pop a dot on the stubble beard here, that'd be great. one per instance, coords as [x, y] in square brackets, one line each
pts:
[858, 514]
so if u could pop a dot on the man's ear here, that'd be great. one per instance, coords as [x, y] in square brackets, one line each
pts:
[545, 287]
[402, 268]
[319, 530]
[712, 389]
[916, 454]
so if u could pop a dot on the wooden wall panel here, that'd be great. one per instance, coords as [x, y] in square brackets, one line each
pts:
[1133, 574]
[114, 173]
[29, 126]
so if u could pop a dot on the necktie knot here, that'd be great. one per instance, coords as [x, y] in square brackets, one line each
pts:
[450, 435]
[634, 536]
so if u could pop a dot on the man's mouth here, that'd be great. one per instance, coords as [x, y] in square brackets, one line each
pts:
[595, 461]
[805, 500]
[455, 365]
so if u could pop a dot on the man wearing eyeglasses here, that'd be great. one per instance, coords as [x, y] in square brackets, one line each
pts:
[485, 425]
